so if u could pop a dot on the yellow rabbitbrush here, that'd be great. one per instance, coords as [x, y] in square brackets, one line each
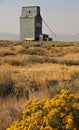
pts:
[58, 113]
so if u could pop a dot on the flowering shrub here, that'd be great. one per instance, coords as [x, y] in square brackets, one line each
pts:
[58, 113]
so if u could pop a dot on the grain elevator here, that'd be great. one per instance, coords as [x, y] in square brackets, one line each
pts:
[31, 24]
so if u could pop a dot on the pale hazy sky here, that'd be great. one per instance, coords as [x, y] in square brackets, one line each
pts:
[61, 15]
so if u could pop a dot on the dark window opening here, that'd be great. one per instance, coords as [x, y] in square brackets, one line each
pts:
[29, 12]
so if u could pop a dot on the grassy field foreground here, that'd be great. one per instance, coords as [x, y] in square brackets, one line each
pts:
[35, 70]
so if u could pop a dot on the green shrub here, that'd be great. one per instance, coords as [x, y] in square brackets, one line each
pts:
[69, 62]
[22, 51]
[34, 59]
[2, 54]
[33, 86]
[14, 62]
[35, 51]
[19, 92]
[6, 43]
[55, 86]
[9, 88]
[37, 44]
[39, 51]
[6, 85]
[75, 75]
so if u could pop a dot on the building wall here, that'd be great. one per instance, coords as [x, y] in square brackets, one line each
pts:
[30, 11]
[30, 23]
[27, 28]
[38, 26]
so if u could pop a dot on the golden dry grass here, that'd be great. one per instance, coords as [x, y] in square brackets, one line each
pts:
[62, 64]
[39, 72]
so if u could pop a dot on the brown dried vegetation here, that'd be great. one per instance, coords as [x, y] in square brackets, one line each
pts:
[30, 70]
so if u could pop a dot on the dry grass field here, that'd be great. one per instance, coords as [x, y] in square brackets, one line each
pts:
[34, 70]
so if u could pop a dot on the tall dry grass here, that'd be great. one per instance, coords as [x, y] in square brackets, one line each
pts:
[37, 70]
